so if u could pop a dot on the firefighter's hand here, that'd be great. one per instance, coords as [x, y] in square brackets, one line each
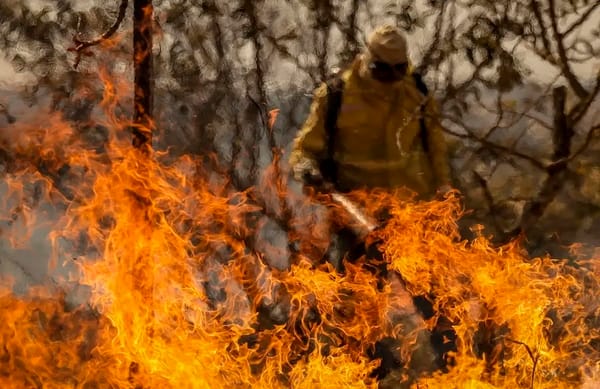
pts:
[308, 173]
[444, 191]
[315, 180]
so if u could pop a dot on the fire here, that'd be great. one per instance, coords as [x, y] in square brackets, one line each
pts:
[180, 297]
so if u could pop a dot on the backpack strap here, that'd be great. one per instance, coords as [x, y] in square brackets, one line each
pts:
[335, 88]
[422, 87]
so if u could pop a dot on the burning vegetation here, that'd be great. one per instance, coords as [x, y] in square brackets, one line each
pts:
[179, 297]
[172, 282]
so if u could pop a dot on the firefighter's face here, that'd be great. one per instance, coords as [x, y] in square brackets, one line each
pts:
[387, 73]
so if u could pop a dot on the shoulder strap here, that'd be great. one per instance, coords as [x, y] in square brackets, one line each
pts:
[422, 87]
[335, 88]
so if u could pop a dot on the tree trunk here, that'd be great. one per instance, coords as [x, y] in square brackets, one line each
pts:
[557, 172]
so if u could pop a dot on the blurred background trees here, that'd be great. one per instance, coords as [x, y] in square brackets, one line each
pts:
[518, 84]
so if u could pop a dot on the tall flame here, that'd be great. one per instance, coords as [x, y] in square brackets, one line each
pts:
[180, 298]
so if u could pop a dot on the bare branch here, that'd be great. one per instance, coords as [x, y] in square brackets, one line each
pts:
[489, 198]
[81, 45]
[518, 138]
[557, 171]
[534, 358]
[21, 268]
[260, 110]
[250, 11]
[223, 67]
[586, 143]
[580, 109]
[525, 113]
[582, 19]
[435, 42]
[285, 52]
[323, 10]
[452, 92]
[562, 54]
[499, 113]
[563, 131]
[584, 49]
[494, 146]
[351, 46]
[547, 53]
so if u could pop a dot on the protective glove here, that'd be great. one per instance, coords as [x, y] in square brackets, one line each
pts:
[308, 172]
[444, 191]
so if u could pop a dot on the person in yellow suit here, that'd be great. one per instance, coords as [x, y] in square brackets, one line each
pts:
[376, 126]
[385, 133]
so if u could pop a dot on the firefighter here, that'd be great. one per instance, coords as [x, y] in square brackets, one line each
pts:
[374, 125]
[385, 132]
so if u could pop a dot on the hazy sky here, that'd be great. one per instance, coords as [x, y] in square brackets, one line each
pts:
[8, 77]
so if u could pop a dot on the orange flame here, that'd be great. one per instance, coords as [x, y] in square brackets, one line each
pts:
[273, 117]
[180, 298]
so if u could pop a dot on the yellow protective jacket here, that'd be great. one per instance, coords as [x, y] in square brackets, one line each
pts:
[378, 142]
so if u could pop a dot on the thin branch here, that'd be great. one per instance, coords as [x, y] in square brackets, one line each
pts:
[351, 46]
[453, 91]
[528, 116]
[521, 114]
[324, 12]
[81, 45]
[450, 35]
[500, 113]
[581, 19]
[285, 53]
[494, 146]
[545, 41]
[580, 109]
[557, 170]
[435, 42]
[532, 105]
[223, 66]
[534, 358]
[588, 139]
[251, 12]
[21, 268]
[562, 53]
[259, 108]
[584, 49]
[489, 198]
[530, 41]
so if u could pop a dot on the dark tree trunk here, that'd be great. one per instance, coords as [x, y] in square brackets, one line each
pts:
[558, 171]
[142, 56]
